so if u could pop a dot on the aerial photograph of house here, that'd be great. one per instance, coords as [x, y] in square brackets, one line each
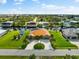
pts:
[39, 29]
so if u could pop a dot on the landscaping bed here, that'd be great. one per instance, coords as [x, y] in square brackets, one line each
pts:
[59, 42]
[39, 46]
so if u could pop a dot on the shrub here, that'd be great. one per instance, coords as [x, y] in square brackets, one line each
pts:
[32, 57]
[23, 46]
[39, 46]
[25, 40]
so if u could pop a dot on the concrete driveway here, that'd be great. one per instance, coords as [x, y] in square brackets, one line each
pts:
[45, 42]
[76, 42]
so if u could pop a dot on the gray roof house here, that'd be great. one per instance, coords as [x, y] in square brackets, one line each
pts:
[70, 33]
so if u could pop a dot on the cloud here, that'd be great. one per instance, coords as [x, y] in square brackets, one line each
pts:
[3, 1]
[19, 1]
[56, 9]
[45, 9]
[76, 0]
[35, 0]
[18, 10]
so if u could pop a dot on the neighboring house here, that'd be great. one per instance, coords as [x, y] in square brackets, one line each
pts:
[7, 24]
[31, 24]
[70, 33]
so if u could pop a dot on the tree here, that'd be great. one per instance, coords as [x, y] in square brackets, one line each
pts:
[68, 57]
[32, 57]
[50, 25]
[39, 25]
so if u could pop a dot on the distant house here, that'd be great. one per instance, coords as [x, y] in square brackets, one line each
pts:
[31, 24]
[74, 22]
[44, 24]
[66, 23]
[69, 23]
[77, 18]
[7, 24]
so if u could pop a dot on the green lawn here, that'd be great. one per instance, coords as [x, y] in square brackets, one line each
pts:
[59, 42]
[52, 57]
[7, 41]
[14, 57]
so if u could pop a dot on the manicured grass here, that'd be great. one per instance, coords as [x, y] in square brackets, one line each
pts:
[75, 57]
[59, 42]
[7, 41]
[14, 57]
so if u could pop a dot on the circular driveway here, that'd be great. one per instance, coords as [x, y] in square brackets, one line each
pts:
[45, 42]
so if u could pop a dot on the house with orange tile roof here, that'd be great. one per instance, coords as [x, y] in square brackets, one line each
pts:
[40, 32]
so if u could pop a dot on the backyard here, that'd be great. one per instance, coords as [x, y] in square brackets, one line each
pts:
[59, 42]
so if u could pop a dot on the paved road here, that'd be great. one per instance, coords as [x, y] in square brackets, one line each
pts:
[38, 52]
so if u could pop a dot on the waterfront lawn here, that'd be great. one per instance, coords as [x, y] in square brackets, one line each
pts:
[59, 42]
[7, 41]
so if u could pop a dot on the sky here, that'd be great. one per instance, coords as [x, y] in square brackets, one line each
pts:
[39, 6]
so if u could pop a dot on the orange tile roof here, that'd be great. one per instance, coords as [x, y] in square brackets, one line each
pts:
[40, 32]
